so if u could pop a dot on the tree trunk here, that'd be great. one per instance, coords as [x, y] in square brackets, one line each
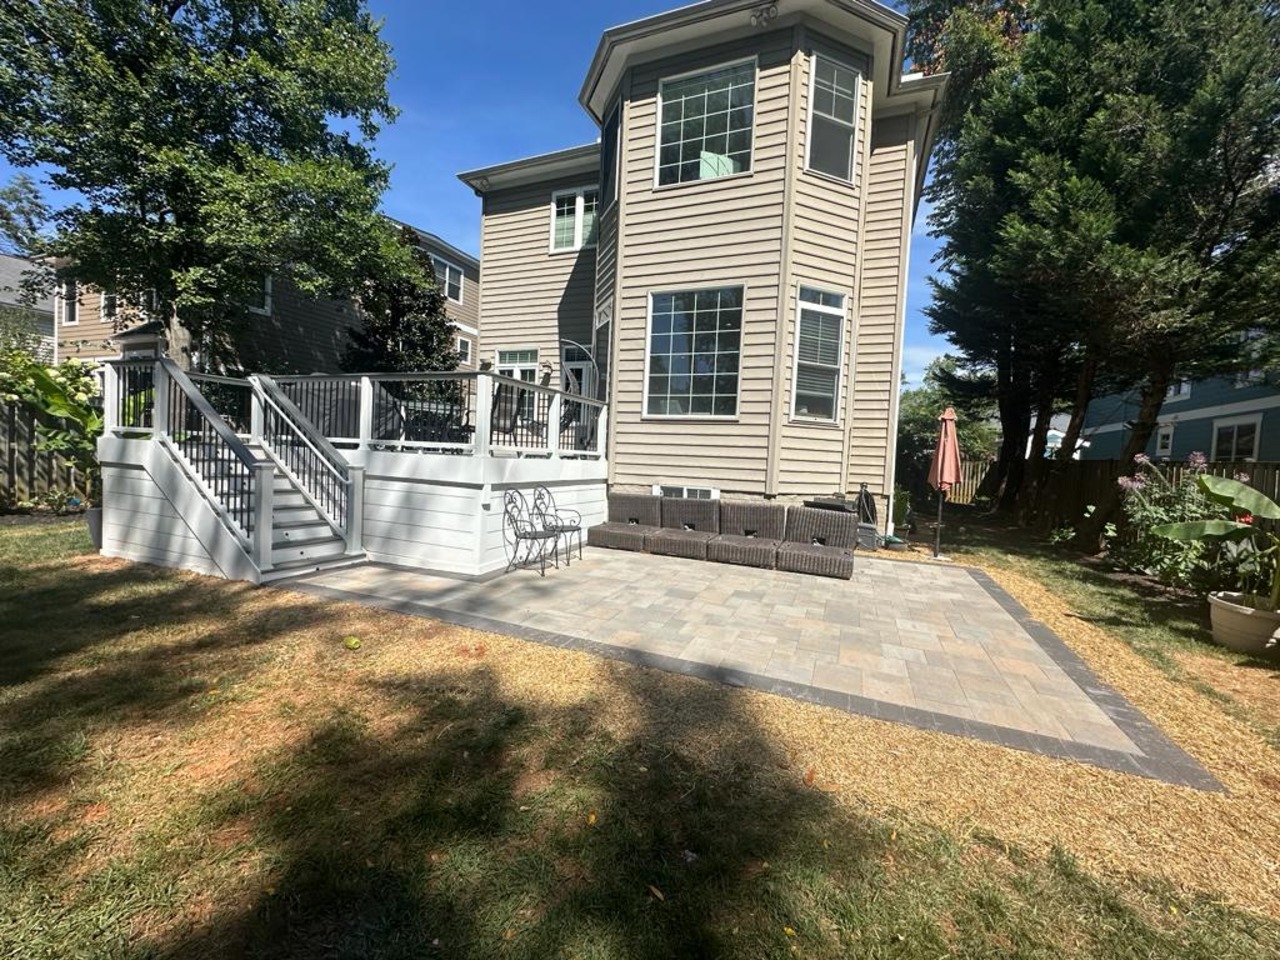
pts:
[1084, 395]
[1037, 465]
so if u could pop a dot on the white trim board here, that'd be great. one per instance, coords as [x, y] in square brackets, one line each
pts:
[1204, 413]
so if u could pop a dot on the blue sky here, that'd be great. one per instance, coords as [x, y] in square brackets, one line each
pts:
[494, 80]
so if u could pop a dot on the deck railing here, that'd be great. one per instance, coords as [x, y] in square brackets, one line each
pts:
[463, 414]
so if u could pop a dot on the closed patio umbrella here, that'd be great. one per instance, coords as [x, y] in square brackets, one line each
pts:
[944, 472]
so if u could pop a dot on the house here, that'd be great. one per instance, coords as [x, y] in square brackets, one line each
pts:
[285, 330]
[40, 313]
[727, 267]
[1230, 419]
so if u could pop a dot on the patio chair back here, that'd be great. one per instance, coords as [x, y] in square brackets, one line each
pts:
[831, 528]
[748, 518]
[519, 517]
[635, 508]
[506, 409]
[681, 514]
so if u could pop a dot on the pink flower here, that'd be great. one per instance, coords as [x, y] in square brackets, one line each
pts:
[1243, 477]
[1245, 518]
[1196, 459]
[1141, 459]
[1131, 484]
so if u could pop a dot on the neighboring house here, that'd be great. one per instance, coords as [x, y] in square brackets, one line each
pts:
[285, 330]
[727, 266]
[12, 269]
[1228, 419]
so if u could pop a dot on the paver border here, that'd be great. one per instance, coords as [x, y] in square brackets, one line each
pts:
[1160, 759]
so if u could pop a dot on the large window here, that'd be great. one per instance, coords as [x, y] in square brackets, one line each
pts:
[705, 124]
[1236, 438]
[573, 218]
[449, 276]
[833, 115]
[695, 341]
[819, 334]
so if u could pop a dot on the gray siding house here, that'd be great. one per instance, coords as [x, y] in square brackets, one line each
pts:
[40, 313]
[727, 266]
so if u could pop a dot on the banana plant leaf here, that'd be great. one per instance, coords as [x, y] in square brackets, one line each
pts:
[1203, 530]
[1240, 497]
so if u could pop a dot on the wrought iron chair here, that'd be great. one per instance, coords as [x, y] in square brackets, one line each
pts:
[521, 527]
[565, 522]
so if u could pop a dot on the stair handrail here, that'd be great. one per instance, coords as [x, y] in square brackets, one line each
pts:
[258, 538]
[343, 513]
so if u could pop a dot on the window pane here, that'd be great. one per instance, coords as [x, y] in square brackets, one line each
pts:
[1246, 436]
[832, 149]
[562, 236]
[706, 124]
[590, 207]
[609, 158]
[816, 392]
[696, 372]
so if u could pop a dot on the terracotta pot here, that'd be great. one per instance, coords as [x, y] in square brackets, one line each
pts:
[1239, 626]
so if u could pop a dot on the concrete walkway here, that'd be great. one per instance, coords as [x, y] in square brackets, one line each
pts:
[939, 647]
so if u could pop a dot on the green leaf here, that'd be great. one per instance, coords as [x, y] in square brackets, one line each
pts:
[1203, 530]
[1240, 497]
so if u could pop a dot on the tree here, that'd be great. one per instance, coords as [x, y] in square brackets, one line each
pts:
[918, 412]
[206, 143]
[405, 327]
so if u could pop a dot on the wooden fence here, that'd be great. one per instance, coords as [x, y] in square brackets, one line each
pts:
[25, 473]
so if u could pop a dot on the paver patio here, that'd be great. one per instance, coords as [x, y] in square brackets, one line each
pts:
[939, 647]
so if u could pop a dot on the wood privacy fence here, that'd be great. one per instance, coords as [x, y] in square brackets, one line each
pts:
[1083, 483]
[25, 473]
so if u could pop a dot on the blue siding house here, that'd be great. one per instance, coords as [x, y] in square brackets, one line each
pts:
[1227, 419]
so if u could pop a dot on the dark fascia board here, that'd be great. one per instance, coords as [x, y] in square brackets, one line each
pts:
[547, 166]
[712, 17]
[460, 257]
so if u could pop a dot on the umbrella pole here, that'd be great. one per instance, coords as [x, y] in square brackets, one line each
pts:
[937, 537]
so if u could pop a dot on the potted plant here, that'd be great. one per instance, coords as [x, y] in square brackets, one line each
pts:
[64, 393]
[1242, 621]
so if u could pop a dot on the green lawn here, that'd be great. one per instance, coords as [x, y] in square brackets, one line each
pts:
[199, 769]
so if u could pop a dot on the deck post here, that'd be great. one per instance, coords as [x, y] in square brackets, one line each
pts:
[553, 426]
[264, 474]
[110, 398]
[366, 412]
[257, 417]
[160, 402]
[602, 431]
[355, 509]
[484, 406]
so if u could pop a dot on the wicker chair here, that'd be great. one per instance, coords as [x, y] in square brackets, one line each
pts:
[687, 527]
[750, 533]
[819, 542]
[632, 518]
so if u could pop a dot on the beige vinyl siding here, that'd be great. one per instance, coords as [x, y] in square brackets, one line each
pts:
[882, 302]
[824, 255]
[532, 297]
[91, 338]
[468, 311]
[705, 234]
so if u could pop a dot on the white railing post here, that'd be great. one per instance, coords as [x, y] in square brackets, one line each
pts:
[602, 432]
[484, 414]
[257, 415]
[355, 510]
[263, 507]
[365, 426]
[110, 398]
[553, 426]
[160, 400]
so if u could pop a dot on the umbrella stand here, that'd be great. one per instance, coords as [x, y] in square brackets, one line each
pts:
[937, 536]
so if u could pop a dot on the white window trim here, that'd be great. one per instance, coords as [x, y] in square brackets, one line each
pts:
[684, 490]
[602, 316]
[1250, 418]
[444, 283]
[1162, 430]
[579, 209]
[657, 125]
[531, 365]
[1178, 397]
[265, 309]
[102, 306]
[814, 57]
[843, 314]
[60, 306]
[648, 336]
[461, 342]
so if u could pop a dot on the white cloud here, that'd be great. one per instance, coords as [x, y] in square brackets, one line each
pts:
[917, 357]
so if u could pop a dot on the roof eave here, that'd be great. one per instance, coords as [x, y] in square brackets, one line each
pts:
[546, 166]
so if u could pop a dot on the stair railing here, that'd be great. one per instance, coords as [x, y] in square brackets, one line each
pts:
[332, 485]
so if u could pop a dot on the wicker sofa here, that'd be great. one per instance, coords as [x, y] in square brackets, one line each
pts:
[750, 533]
[633, 518]
[820, 542]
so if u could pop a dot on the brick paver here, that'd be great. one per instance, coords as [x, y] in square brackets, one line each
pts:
[935, 645]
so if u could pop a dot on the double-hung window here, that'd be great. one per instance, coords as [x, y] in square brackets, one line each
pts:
[1236, 438]
[819, 336]
[573, 218]
[260, 301]
[67, 303]
[705, 124]
[833, 112]
[464, 350]
[449, 276]
[695, 342]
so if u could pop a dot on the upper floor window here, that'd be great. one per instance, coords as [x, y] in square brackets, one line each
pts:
[705, 124]
[67, 303]
[1236, 438]
[464, 350]
[609, 159]
[573, 218]
[833, 112]
[260, 300]
[819, 335]
[695, 340]
[109, 305]
[1178, 390]
[449, 277]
